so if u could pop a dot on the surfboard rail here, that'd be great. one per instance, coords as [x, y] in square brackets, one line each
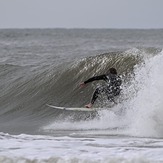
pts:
[75, 109]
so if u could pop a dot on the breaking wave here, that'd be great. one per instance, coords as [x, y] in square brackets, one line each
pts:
[27, 91]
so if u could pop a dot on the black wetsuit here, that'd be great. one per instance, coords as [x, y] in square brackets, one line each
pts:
[112, 89]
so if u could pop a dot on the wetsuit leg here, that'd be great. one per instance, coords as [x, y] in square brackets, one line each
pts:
[96, 93]
[110, 97]
[112, 94]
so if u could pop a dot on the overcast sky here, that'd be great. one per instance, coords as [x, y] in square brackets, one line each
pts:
[81, 13]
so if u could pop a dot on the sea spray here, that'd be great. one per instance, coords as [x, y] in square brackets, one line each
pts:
[147, 104]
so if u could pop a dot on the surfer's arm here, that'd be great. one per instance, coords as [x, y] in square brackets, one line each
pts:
[101, 77]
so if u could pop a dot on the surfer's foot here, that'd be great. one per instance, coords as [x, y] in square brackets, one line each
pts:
[88, 106]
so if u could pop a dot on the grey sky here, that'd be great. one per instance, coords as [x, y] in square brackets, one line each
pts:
[81, 13]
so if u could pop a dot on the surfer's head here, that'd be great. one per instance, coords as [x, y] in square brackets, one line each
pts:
[113, 70]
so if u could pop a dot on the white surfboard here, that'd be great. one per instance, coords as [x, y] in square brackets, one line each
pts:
[76, 109]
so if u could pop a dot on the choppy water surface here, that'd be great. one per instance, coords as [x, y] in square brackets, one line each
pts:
[45, 66]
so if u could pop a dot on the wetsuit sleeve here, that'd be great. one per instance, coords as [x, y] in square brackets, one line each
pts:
[101, 77]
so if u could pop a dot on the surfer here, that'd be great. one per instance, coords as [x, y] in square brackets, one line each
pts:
[111, 90]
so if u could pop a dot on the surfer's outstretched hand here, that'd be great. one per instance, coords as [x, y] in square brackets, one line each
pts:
[82, 85]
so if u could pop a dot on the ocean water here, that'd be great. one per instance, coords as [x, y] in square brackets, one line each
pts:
[46, 66]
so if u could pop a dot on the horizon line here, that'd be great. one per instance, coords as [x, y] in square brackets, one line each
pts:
[116, 28]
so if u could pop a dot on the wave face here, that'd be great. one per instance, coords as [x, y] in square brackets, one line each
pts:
[27, 93]
[50, 73]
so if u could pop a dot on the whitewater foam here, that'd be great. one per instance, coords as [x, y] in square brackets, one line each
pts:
[74, 160]
[147, 104]
[81, 148]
